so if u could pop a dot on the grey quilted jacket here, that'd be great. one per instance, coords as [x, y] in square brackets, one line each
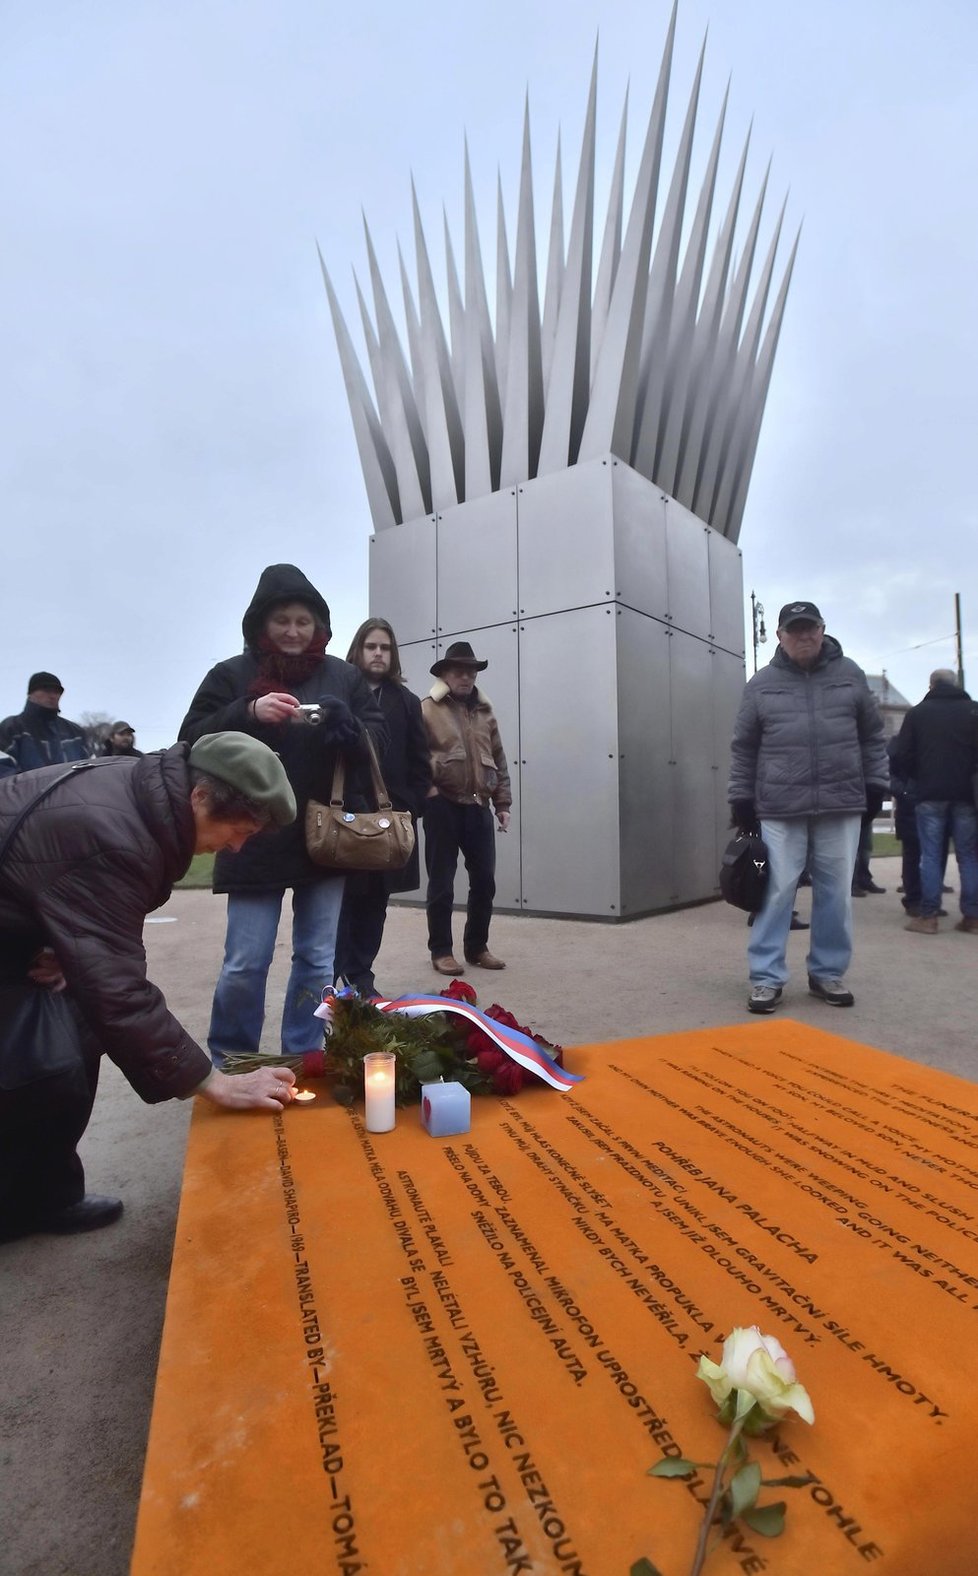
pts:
[808, 742]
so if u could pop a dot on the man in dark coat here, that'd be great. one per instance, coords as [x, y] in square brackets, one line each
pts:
[121, 740]
[85, 853]
[407, 775]
[938, 748]
[307, 707]
[39, 735]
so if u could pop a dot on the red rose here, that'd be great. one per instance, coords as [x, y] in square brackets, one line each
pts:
[476, 1042]
[507, 1079]
[502, 1016]
[555, 1052]
[488, 1061]
[458, 990]
[313, 1064]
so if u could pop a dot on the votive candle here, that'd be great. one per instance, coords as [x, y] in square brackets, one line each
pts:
[378, 1087]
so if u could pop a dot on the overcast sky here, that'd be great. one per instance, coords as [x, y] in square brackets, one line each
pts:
[173, 415]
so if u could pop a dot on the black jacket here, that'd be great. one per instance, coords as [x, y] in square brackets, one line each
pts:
[83, 871]
[38, 736]
[407, 771]
[937, 745]
[277, 859]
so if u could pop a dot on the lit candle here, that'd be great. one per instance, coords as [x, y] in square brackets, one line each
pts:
[378, 1087]
[303, 1097]
[446, 1108]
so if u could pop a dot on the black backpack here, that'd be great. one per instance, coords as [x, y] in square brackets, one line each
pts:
[744, 872]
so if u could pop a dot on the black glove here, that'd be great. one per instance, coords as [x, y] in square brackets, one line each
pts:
[744, 817]
[874, 800]
[340, 727]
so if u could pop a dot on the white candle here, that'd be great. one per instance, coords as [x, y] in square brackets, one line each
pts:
[303, 1097]
[378, 1088]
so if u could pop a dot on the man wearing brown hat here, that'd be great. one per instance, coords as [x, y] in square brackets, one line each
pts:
[39, 735]
[470, 774]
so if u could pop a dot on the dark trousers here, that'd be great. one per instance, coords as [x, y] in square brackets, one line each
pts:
[451, 829]
[41, 1125]
[361, 928]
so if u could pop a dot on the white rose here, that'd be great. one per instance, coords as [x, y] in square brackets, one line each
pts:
[757, 1370]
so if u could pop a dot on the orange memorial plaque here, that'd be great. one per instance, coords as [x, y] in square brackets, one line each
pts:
[404, 1355]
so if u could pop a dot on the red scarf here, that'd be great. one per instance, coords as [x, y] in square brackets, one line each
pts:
[280, 671]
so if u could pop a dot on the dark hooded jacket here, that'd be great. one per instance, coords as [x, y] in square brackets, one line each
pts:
[808, 741]
[38, 736]
[277, 859]
[81, 874]
[937, 746]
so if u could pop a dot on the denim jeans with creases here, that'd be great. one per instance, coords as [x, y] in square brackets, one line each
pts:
[238, 1013]
[935, 819]
[828, 843]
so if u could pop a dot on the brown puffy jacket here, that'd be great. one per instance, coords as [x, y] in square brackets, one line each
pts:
[468, 761]
[87, 865]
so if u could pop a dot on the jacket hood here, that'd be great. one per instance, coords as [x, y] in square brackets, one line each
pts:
[831, 652]
[162, 788]
[281, 583]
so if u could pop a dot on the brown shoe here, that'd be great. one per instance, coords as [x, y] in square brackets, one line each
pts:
[924, 925]
[968, 925]
[485, 960]
[447, 965]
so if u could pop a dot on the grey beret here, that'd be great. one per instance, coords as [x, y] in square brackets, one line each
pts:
[250, 767]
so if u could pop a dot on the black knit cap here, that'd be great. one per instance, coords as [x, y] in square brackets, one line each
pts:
[46, 681]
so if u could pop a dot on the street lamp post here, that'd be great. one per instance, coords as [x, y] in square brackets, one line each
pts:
[757, 618]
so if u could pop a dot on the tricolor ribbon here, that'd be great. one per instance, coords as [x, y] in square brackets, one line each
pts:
[520, 1047]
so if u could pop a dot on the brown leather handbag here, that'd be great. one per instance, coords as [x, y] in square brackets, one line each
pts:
[342, 839]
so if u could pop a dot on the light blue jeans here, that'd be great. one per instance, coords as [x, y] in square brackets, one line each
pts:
[828, 843]
[936, 817]
[238, 1013]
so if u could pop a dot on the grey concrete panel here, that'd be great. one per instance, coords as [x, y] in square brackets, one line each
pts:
[728, 687]
[726, 594]
[403, 578]
[566, 555]
[688, 570]
[477, 563]
[696, 772]
[639, 509]
[568, 763]
[647, 807]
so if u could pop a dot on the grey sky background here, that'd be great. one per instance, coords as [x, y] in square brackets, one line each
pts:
[173, 415]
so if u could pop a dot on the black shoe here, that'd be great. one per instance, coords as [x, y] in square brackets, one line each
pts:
[870, 886]
[831, 991]
[858, 891]
[91, 1213]
[796, 923]
[763, 998]
[947, 889]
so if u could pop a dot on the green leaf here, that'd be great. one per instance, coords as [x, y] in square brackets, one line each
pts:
[675, 1466]
[789, 1482]
[644, 1567]
[744, 1487]
[768, 1520]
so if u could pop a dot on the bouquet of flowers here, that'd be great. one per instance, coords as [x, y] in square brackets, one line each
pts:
[426, 1047]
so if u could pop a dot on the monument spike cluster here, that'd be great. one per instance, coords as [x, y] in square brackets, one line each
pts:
[658, 354]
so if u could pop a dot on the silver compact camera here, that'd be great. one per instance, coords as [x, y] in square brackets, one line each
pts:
[311, 713]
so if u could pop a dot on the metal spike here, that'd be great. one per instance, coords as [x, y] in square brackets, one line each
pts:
[376, 463]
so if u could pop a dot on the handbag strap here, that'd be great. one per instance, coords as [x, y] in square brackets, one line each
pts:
[381, 795]
[32, 804]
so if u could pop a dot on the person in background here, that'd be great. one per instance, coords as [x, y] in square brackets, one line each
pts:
[283, 670]
[807, 762]
[79, 873]
[469, 771]
[121, 740]
[407, 775]
[39, 735]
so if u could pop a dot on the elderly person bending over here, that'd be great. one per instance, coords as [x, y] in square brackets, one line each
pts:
[85, 853]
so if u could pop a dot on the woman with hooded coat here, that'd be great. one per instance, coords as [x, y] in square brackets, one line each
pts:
[284, 666]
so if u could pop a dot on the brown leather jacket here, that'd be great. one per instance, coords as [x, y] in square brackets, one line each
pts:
[468, 762]
[83, 871]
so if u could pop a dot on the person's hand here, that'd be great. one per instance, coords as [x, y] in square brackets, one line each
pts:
[46, 970]
[277, 707]
[339, 724]
[744, 817]
[502, 816]
[266, 1089]
[874, 800]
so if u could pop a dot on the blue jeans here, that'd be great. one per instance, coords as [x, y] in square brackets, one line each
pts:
[828, 843]
[935, 819]
[238, 1013]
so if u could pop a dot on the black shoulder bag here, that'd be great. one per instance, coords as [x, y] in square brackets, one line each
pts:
[744, 872]
[39, 1033]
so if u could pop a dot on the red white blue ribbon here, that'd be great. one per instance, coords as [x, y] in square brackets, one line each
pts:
[520, 1047]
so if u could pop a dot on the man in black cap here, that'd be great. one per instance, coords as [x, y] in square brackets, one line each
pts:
[470, 773]
[86, 852]
[121, 740]
[807, 762]
[39, 736]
